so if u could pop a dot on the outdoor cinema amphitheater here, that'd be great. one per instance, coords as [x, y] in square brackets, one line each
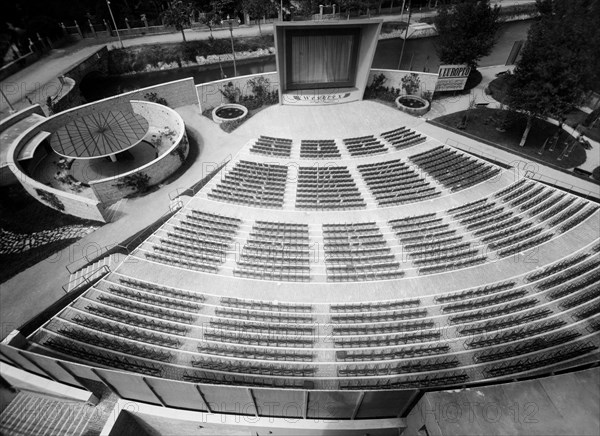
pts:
[344, 273]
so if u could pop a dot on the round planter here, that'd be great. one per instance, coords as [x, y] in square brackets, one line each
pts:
[229, 112]
[413, 105]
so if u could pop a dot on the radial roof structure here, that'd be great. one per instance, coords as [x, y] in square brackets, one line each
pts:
[99, 134]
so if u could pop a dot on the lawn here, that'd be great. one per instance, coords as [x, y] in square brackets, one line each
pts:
[499, 88]
[483, 122]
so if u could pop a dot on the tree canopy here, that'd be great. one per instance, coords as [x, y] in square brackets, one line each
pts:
[178, 15]
[467, 31]
[258, 9]
[560, 60]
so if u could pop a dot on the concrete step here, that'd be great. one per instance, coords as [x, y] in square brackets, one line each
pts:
[94, 271]
[33, 414]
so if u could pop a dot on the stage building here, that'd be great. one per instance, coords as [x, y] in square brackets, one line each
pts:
[324, 63]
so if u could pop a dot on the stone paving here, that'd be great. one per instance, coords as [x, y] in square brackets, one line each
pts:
[12, 243]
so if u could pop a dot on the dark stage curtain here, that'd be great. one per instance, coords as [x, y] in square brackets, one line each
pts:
[321, 58]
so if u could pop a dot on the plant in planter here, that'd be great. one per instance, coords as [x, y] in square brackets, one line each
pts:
[231, 93]
[411, 83]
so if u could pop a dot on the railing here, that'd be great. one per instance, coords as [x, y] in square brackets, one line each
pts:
[86, 279]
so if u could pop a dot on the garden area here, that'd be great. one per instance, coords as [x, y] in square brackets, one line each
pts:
[31, 232]
[505, 129]
[260, 97]
[498, 89]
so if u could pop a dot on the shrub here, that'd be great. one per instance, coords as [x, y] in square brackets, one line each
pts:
[138, 182]
[51, 199]
[410, 83]
[154, 98]
[230, 92]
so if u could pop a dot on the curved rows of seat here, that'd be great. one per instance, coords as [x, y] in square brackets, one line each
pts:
[364, 145]
[196, 240]
[453, 169]
[327, 188]
[269, 146]
[319, 149]
[393, 182]
[434, 246]
[358, 252]
[275, 250]
[377, 370]
[370, 320]
[253, 184]
[403, 137]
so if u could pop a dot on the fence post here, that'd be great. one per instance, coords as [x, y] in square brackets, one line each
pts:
[92, 28]
[78, 29]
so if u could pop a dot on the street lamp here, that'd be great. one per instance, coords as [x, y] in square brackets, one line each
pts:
[230, 22]
[114, 22]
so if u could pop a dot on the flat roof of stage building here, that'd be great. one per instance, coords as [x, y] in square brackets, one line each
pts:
[330, 23]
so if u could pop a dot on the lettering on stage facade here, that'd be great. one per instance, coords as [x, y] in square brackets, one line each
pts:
[316, 98]
[452, 77]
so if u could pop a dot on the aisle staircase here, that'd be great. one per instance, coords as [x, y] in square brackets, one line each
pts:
[94, 271]
[34, 414]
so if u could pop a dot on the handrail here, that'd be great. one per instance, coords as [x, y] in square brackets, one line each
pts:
[86, 279]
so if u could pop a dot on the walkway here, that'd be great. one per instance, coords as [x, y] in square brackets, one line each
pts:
[35, 83]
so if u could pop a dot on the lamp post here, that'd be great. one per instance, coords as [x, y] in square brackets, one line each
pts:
[230, 22]
[405, 33]
[114, 22]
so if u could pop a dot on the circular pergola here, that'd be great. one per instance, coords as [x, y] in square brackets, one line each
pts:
[99, 135]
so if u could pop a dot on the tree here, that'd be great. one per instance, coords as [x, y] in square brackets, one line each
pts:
[556, 67]
[258, 9]
[467, 31]
[178, 15]
[351, 5]
[211, 19]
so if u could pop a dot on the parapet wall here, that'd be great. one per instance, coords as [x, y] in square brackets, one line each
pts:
[427, 81]
[210, 96]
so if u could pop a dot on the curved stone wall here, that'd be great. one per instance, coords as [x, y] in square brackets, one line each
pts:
[108, 191]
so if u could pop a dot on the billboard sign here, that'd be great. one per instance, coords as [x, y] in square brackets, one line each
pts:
[452, 77]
